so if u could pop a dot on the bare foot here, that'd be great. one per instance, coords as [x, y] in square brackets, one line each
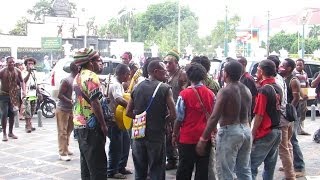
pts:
[4, 138]
[12, 136]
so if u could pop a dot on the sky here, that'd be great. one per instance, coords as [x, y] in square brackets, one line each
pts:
[208, 11]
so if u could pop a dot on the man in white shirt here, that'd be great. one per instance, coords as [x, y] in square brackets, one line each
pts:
[30, 101]
[119, 139]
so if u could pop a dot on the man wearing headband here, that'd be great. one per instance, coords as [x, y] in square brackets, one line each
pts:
[88, 116]
[178, 81]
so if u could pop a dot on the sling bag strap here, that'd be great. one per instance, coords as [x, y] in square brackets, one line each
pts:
[153, 95]
[203, 108]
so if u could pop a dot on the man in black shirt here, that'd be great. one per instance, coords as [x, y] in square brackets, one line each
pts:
[148, 152]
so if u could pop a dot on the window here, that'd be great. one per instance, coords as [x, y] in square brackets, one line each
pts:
[312, 69]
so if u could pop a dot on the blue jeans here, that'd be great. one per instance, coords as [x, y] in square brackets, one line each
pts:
[298, 162]
[149, 158]
[118, 149]
[233, 152]
[265, 150]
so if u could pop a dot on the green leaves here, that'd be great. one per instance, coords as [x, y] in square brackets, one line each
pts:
[314, 31]
[40, 9]
[20, 28]
[292, 43]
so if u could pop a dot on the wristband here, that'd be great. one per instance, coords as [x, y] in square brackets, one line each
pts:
[203, 140]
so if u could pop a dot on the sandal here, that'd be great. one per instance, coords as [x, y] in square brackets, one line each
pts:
[117, 176]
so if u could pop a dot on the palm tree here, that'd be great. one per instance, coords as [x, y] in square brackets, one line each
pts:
[126, 18]
[314, 31]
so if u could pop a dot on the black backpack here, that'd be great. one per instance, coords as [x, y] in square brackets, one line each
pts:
[316, 136]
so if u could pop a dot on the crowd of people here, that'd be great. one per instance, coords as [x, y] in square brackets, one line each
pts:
[182, 118]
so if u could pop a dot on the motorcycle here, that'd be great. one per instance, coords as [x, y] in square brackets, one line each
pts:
[46, 103]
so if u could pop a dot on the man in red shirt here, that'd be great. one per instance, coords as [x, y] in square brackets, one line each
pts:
[266, 132]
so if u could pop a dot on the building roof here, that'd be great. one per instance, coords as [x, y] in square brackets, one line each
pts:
[312, 18]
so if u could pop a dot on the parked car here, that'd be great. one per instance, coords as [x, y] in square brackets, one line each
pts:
[62, 70]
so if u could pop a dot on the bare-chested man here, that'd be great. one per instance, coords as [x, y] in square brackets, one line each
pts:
[232, 110]
[9, 101]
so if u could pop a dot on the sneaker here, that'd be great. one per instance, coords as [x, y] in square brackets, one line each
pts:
[64, 158]
[4, 138]
[12, 136]
[117, 176]
[125, 171]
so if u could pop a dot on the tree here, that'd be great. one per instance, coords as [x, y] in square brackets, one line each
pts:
[103, 31]
[44, 8]
[113, 29]
[20, 28]
[160, 15]
[216, 37]
[314, 31]
[312, 44]
[127, 20]
[40, 9]
[159, 24]
[283, 40]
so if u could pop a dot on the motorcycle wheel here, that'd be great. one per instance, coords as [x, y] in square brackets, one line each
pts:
[48, 109]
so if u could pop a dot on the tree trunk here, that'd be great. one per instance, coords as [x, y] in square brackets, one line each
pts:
[129, 34]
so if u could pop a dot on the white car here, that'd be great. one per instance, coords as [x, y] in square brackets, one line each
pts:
[62, 70]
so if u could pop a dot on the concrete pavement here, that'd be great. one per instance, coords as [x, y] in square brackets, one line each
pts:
[35, 155]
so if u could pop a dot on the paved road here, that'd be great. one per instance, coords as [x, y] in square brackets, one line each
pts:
[35, 155]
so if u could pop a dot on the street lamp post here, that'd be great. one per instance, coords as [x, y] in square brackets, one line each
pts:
[302, 41]
[268, 35]
[226, 33]
[85, 24]
[179, 28]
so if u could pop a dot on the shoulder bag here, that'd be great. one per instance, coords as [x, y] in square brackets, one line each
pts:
[140, 120]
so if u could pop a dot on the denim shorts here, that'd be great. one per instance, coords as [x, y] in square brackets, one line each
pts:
[5, 106]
